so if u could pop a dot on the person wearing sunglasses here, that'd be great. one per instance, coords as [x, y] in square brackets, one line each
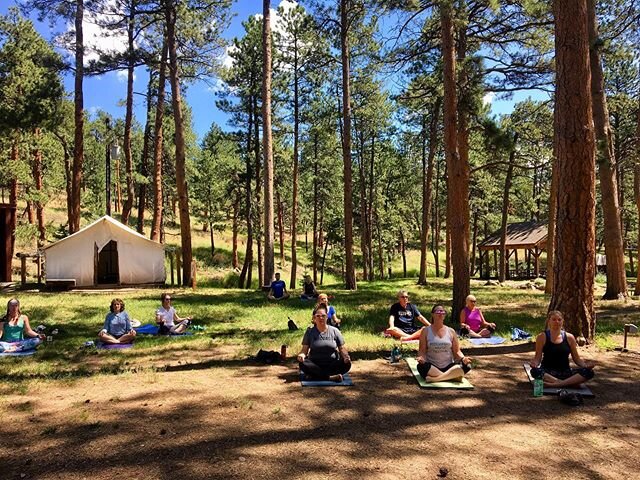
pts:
[472, 322]
[168, 319]
[439, 356]
[402, 319]
[323, 355]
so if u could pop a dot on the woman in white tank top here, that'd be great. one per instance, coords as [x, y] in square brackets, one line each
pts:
[439, 355]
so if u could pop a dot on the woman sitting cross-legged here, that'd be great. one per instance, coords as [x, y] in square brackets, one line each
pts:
[472, 321]
[323, 355]
[14, 327]
[168, 320]
[117, 325]
[551, 362]
[439, 356]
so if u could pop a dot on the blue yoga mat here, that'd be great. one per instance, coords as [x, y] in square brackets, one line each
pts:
[346, 382]
[150, 329]
[147, 329]
[113, 346]
[25, 353]
[495, 340]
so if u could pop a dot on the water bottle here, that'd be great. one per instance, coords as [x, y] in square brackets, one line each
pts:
[538, 387]
[394, 355]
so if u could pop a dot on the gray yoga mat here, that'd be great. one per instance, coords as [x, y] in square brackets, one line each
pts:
[583, 390]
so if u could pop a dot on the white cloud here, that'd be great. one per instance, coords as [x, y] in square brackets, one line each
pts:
[227, 60]
[122, 76]
[488, 98]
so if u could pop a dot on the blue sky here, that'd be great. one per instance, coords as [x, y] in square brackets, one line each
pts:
[107, 92]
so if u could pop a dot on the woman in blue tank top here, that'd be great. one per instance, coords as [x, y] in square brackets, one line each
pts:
[553, 347]
[439, 356]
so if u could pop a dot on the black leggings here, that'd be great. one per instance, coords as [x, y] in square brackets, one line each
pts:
[324, 372]
[423, 368]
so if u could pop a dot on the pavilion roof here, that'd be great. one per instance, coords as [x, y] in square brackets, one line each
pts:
[522, 235]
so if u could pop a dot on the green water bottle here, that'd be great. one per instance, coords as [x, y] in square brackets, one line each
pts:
[538, 387]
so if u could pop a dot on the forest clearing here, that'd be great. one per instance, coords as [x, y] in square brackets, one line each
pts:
[176, 175]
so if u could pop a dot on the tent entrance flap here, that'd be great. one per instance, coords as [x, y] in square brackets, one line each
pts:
[107, 271]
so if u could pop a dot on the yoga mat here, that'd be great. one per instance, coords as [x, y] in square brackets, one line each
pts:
[150, 329]
[582, 390]
[495, 340]
[25, 353]
[147, 329]
[113, 346]
[413, 366]
[346, 382]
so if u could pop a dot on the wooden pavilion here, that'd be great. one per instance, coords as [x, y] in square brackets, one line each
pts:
[531, 237]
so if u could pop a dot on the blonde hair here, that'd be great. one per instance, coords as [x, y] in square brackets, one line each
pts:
[470, 297]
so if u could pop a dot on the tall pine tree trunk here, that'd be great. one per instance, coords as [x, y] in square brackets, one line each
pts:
[78, 144]
[296, 147]
[37, 180]
[156, 223]
[551, 229]
[574, 265]
[636, 191]
[316, 208]
[144, 164]
[606, 160]
[257, 225]
[502, 273]
[128, 118]
[244, 280]
[181, 180]
[234, 233]
[457, 170]
[281, 229]
[269, 253]
[350, 272]
[427, 181]
[13, 197]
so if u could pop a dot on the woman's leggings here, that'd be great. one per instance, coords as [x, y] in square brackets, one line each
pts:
[337, 367]
[21, 346]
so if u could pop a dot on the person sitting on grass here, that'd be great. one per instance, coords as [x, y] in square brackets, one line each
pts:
[332, 317]
[168, 320]
[323, 355]
[309, 291]
[402, 317]
[278, 289]
[117, 325]
[439, 356]
[551, 362]
[14, 327]
[472, 322]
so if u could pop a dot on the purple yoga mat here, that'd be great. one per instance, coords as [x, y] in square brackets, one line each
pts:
[113, 346]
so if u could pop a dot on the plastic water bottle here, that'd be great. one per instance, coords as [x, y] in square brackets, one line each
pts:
[538, 387]
[394, 355]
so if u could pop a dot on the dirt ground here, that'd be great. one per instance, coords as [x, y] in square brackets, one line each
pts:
[214, 417]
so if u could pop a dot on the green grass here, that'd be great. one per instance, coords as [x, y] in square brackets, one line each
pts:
[238, 323]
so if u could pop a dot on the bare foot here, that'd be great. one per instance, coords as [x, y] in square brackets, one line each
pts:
[336, 378]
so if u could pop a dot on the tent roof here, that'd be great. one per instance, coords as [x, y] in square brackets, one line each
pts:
[113, 222]
[519, 235]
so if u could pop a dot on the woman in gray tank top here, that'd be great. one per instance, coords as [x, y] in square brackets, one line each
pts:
[439, 356]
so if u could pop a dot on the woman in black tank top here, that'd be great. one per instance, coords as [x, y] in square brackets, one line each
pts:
[553, 347]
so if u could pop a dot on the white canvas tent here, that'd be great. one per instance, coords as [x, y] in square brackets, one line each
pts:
[105, 252]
